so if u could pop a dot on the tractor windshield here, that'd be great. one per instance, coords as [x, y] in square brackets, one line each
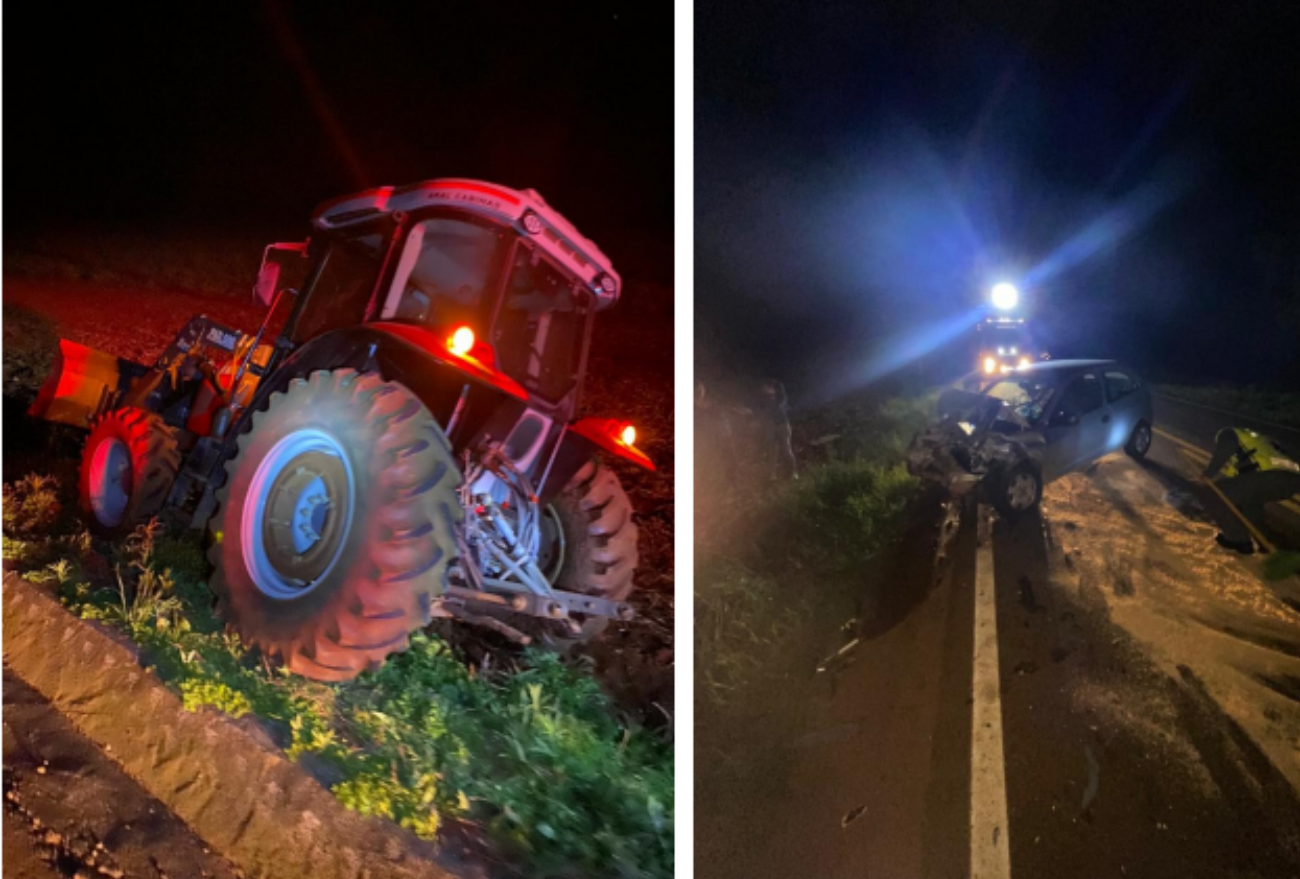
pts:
[342, 287]
[540, 329]
[446, 273]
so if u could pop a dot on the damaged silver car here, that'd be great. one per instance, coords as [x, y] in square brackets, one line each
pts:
[1028, 427]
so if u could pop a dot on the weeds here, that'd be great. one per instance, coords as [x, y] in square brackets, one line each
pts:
[534, 755]
[797, 560]
[31, 507]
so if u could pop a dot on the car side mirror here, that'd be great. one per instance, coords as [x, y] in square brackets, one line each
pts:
[1064, 419]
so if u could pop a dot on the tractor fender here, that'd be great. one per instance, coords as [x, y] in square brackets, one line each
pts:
[580, 443]
[413, 358]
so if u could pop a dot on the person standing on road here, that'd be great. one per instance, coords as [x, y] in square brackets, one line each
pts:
[773, 410]
[1256, 470]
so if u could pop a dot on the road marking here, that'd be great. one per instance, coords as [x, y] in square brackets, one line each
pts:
[1250, 526]
[1198, 458]
[990, 843]
[1197, 451]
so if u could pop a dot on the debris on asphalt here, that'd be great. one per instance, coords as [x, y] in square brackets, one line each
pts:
[826, 736]
[1027, 599]
[839, 658]
[1094, 778]
[852, 815]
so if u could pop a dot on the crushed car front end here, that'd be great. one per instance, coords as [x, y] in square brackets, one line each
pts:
[976, 436]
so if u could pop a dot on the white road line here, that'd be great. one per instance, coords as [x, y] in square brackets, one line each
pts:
[990, 845]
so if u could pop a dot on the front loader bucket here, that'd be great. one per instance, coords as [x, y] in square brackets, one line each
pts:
[82, 384]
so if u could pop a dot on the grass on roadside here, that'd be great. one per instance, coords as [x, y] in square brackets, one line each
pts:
[793, 568]
[534, 754]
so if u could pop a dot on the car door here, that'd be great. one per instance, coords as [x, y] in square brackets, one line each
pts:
[1078, 426]
[1128, 404]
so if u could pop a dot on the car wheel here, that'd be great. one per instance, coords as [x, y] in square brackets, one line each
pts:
[1017, 491]
[1140, 442]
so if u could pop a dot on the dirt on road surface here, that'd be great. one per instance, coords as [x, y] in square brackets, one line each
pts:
[69, 810]
[1150, 699]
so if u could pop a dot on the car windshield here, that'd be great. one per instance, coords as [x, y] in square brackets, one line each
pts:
[1026, 396]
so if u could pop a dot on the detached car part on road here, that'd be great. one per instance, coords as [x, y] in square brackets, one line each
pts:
[406, 446]
[1028, 427]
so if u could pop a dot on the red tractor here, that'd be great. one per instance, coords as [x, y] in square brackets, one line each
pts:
[405, 446]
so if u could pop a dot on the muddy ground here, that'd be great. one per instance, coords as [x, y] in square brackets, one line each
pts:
[69, 810]
[629, 376]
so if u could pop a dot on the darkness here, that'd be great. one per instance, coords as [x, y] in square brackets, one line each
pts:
[126, 116]
[866, 171]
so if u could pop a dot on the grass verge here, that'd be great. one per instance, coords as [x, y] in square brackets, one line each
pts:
[797, 560]
[533, 754]
[1280, 407]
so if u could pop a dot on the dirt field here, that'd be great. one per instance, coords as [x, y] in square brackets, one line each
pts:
[630, 376]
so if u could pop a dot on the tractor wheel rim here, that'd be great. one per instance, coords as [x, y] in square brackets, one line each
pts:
[1142, 441]
[111, 477]
[297, 514]
[551, 548]
[1020, 493]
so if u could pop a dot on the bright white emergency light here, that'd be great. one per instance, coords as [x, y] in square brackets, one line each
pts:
[1005, 296]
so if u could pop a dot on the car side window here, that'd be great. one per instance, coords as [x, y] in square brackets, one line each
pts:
[1081, 396]
[1120, 384]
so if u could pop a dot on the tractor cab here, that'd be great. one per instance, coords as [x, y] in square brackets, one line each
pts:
[494, 276]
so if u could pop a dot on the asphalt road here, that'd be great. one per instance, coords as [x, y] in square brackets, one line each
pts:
[70, 810]
[1149, 688]
[1198, 424]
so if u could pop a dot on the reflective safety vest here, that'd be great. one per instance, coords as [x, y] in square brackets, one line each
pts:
[1255, 452]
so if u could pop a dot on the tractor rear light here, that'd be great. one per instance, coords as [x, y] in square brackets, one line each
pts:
[607, 284]
[461, 341]
[532, 223]
[628, 436]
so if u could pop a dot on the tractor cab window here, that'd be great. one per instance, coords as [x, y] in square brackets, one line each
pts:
[445, 274]
[540, 328]
[341, 291]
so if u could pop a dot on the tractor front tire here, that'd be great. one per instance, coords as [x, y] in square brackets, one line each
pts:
[336, 524]
[599, 541]
[127, 469]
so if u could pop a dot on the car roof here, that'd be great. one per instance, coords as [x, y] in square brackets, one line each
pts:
[1063, 365]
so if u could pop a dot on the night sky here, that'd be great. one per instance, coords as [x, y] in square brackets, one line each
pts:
[865, 171]
[152, 117]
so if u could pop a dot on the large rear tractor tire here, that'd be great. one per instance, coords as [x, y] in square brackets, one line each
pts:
[336, 524]
[597, 549]
[127, 469]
